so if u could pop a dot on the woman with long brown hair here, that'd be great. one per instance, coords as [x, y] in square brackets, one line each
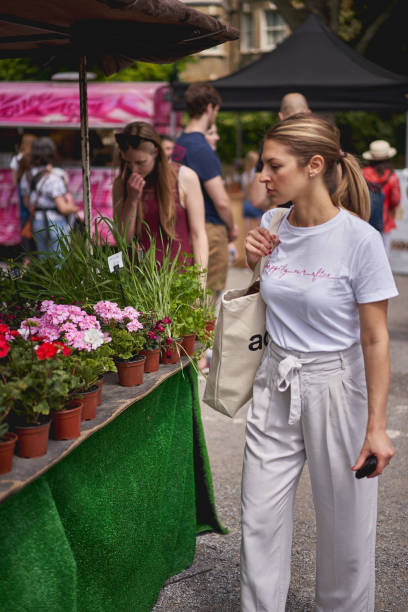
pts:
[320, 393]
[155, 199]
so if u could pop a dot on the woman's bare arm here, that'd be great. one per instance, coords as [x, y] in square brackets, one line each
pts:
[192, 197]
[375, 344]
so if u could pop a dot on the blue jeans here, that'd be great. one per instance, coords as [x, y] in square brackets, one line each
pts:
[46, 233]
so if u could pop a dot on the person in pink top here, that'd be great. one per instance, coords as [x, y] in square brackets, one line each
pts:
[380, 172]
[156, 199]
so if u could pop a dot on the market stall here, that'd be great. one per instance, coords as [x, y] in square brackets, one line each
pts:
[101, 522]
[109, 522]
[53, 109]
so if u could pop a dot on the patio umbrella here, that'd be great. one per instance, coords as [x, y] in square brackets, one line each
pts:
[114, 33]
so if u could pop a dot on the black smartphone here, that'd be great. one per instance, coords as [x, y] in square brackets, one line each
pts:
[368, 468]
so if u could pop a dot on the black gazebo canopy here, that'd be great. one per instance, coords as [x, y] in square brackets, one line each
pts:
[317, 63]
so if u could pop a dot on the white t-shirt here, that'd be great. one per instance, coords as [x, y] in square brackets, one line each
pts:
[314, 280]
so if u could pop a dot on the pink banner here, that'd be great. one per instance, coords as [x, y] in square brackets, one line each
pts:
[110, 104]
[9, 211]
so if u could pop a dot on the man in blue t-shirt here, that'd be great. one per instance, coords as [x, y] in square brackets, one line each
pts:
[192, 149]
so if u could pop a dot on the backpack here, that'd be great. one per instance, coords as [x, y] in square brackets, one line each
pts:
[377, 199]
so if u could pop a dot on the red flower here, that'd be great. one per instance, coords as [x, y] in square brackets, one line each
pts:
[166, 321]
[63, 348]
[4, 347]
[169, 340]
[36, 338]
[4, 328]
[46, 351]
[14, 333]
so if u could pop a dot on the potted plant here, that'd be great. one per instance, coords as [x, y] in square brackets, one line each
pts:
[34, 381]
[154, 333]
[7, 439]
[187, 323]
[170, 350]
[87, 366]
[189, 304]
[124, 329]
[81, 332]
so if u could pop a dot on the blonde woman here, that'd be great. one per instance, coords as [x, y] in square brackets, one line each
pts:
[164, 196]
[320, 393]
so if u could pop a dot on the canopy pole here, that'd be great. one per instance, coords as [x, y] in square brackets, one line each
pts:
[86, 185]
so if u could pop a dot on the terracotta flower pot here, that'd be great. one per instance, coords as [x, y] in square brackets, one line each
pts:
[32, 440]
[89, 401]
[170, 353]
[188, 344]
[7, 445]
[66, 424]
[152, 360]
[131, 372]
[99, 384]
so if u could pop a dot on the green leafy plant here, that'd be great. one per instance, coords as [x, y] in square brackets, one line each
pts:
[154, 331]
[87, 367]
[126, 345]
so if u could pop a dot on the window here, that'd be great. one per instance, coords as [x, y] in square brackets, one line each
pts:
[247, 32]
[274, 29]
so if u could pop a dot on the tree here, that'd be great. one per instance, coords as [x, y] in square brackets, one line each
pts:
[26, 69]
[360, 23]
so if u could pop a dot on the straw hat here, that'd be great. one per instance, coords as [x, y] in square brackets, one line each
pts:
[379, 150]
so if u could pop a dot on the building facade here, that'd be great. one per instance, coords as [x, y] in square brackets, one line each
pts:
[262, 29]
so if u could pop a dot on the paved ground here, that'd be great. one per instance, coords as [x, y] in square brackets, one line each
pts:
[211, 584]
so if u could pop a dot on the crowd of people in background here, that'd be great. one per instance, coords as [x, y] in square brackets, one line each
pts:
[43, 186]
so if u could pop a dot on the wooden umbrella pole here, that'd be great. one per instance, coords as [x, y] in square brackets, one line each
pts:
[83, 100]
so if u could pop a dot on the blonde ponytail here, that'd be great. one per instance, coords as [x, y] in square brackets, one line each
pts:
[352, 191]
[311, 135]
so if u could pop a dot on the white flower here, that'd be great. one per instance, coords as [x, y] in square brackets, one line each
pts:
[94, 337]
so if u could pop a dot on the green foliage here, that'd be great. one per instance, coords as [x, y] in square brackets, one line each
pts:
[73, 275]
[86, 366]
[8, 291]
[187, 300]
[162, 290]
[27, 69]
[144, 71]
[125, 344]
[359, 128]
[154, 331]
[23, 69]
[253, 125]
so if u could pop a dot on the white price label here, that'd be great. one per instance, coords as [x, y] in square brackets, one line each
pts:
[115, 260]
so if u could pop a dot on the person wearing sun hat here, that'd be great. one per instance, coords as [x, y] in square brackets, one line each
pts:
[380, 173]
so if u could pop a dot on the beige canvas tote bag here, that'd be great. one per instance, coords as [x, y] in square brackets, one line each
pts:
[239, 341]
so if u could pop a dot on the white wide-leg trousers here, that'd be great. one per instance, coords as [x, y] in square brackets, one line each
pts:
[308, 406]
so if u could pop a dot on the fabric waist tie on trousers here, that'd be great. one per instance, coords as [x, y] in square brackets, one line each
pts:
[290, 364]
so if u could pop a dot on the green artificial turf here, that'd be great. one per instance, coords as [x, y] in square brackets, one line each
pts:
[105, 527]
